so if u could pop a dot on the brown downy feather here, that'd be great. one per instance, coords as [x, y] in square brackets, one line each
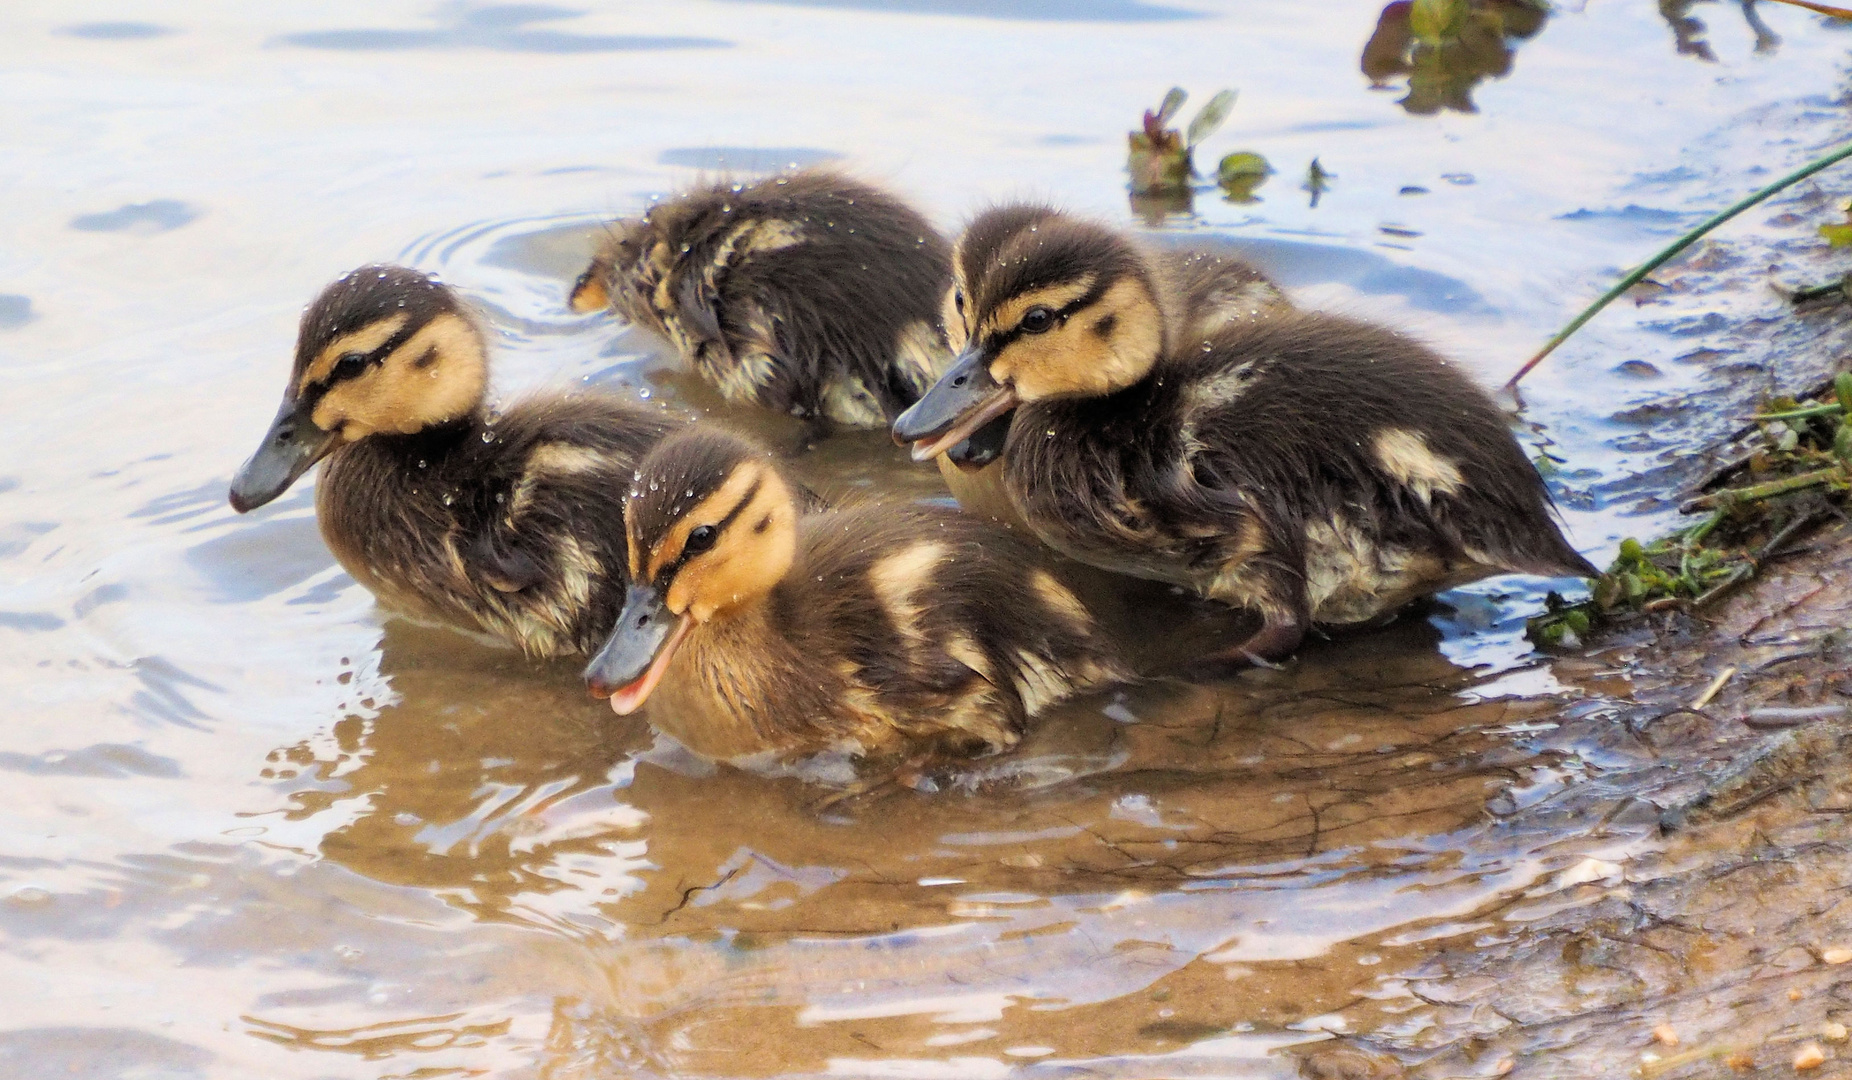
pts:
[893, 627]
[498, 524]
[807, 292]
[1312, 467]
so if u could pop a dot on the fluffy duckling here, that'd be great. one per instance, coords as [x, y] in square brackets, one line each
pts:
[1199, 289]
[759, 630]
[807, 292]
[1313, 468]
[499, 524]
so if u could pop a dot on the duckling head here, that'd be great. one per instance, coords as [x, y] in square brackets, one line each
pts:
[710, 526]
[1041, 306]
[619, 279]
[383, 350]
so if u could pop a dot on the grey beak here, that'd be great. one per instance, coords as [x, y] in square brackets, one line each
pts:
[291, 446]
[964, 386]
[633, 644]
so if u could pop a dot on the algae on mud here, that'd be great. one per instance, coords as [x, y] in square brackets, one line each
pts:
[1798, 464]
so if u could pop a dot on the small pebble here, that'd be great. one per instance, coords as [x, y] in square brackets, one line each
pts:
[1809, 1057]
[1834, 1031]
[1504, 1066]
[1836, 955]
[1665, 1035]
[1794, 994]
[1742, 1059]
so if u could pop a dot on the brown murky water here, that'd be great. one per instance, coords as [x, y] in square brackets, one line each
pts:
[253, 827]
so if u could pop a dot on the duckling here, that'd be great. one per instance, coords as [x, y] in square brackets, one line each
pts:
[1201, 290]
[498, 524]
[761, 631]
[1309, 467]
[807, 292]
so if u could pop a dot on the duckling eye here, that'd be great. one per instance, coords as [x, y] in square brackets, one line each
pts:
[349, 366]
[1037, 320]
[958, 300]
[701, 539]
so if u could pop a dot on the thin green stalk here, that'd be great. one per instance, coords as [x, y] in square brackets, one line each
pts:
[1800, 414]
[1758, 492]
[1677, 246]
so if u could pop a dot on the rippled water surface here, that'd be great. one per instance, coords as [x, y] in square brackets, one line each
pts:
[253, 827]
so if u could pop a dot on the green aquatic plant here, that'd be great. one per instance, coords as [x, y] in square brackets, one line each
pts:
[1798, 465]
[1239, 173]
[1666, 253]
[1317, 180]
[1159, 157]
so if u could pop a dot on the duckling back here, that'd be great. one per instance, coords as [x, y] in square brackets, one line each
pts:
[808, 292]
[1313, 467]
[504, 526]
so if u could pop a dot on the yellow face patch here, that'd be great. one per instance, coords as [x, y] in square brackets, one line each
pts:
[437, 375]
[754, 551]
[1106, 346]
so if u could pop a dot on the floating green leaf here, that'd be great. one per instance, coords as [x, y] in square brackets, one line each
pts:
[1240, 173]
[1837, 235]
[1209, 118]
[1436, 21]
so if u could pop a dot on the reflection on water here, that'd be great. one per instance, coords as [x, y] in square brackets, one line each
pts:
[1445, 55]
[1207, 844]
[502, 27]
[1032, 10]
[255, 828]
[1688, 31]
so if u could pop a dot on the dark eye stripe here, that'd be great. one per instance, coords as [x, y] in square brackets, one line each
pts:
[999, 342]
[667, 573]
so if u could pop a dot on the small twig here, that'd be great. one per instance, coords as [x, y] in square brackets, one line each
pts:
[1772, 718]
[1758, 492]
[1747, 570]
[1815, 292]
[1712, 690]
[1669, 252]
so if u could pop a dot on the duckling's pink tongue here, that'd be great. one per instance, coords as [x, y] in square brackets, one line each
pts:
[631, 696]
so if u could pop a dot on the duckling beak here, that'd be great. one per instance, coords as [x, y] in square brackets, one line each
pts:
[983, 447]
[291, 446]
[638, 651]
[963, 400]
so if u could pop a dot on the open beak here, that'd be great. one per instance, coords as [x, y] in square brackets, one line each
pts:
[638, 651]
[963, 400]
[983, 447]
[290, 447]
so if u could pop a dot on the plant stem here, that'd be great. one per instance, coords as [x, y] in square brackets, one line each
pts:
[1824, 9]
[1799, 414]
[1757, 492]
[1677, 246]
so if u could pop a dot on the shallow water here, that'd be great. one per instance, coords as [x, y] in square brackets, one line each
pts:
[253, 827]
